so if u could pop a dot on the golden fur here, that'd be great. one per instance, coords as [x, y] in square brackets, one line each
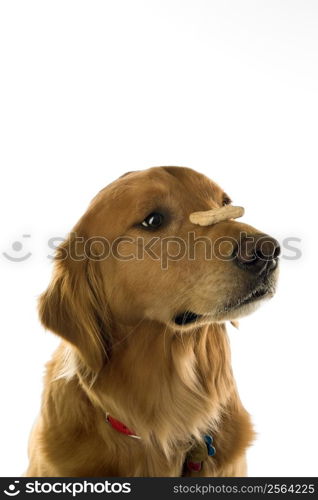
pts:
[121, 352]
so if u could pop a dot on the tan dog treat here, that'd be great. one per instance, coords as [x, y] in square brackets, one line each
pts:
[209, 217]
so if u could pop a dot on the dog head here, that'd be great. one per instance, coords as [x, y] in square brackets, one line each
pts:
[136, 254]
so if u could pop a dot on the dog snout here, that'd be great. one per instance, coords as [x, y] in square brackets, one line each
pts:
[257, 253]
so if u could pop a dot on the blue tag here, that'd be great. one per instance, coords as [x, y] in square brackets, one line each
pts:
[208, 441]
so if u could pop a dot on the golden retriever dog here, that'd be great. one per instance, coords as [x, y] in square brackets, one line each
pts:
[141, 383]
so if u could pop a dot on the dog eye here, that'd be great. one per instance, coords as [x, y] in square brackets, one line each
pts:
[153, 221]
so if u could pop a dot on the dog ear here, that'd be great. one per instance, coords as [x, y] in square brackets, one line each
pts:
[74, 305]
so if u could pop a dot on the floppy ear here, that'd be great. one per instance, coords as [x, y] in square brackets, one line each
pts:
[74, 305]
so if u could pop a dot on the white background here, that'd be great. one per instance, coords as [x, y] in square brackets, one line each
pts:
[90, 90]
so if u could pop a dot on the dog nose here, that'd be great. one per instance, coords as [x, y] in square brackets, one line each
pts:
[257, 253]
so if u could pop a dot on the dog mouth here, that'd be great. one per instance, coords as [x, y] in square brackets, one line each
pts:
[255, 295]
[186, 318]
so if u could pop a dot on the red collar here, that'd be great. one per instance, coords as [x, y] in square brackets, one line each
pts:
[193, 465]
[120, 427]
